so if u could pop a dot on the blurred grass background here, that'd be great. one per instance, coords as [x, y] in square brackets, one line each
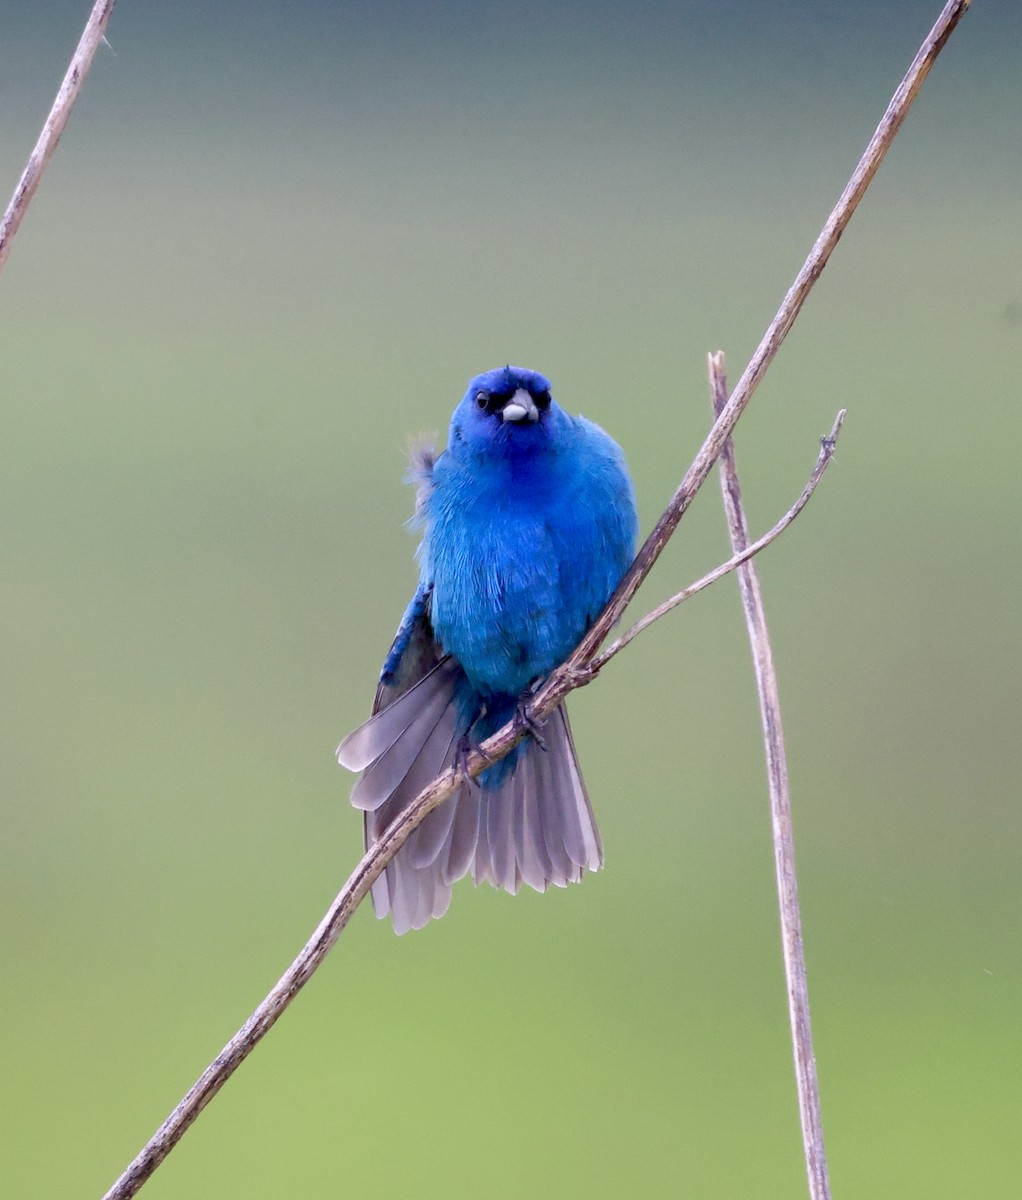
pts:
[276, 240]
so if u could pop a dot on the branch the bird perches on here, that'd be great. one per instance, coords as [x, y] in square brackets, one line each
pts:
[575, 671]
[586, 660]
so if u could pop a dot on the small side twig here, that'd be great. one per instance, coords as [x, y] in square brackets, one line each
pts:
[780, 802]
[81, 61]
[827, 447]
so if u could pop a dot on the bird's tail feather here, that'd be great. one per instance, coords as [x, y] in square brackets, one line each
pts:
[535, 826]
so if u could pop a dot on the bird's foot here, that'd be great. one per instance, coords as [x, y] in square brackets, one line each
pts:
[461, 756]
[523, 719]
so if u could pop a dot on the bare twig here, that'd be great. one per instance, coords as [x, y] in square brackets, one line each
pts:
[827, 447]
[81, 60]
[780, 803]
[573, 672]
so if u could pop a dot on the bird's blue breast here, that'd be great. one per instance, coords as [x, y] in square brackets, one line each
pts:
[523, 545]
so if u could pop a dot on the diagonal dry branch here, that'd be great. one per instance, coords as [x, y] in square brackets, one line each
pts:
[81, 61]
[577, 669]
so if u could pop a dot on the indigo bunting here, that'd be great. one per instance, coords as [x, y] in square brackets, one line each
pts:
[528, 523]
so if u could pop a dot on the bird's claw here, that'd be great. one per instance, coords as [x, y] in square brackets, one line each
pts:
[525, 720]
[461, 756]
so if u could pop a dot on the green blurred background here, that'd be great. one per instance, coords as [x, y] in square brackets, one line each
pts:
[276, 240]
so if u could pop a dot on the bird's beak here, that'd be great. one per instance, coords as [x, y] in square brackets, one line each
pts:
[521, 407]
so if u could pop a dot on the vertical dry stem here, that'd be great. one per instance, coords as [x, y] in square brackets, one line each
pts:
[780, 810]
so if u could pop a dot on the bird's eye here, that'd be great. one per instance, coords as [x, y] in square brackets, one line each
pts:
[482, 399]
[542, 400]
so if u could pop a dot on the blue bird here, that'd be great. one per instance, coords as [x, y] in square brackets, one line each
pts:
[528, 523]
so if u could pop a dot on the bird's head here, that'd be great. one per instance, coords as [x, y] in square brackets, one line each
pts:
[505, 411]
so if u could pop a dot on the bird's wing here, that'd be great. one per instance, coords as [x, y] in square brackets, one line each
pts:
[416, 687]
[410, 738]
[413, 653]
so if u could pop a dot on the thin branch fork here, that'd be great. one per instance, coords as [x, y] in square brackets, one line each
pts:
[780, 802]
[742, 555]
[577, 668]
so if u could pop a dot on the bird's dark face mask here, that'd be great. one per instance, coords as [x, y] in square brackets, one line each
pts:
[521, 405]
